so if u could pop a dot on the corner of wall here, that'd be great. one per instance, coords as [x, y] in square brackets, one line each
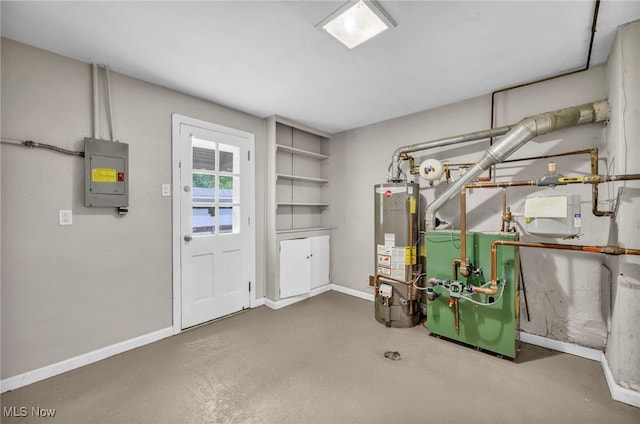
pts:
[623, 80]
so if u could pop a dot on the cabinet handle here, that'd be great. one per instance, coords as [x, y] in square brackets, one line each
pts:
[188, 237]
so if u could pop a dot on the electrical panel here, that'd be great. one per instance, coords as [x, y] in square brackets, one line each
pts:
[106, 165]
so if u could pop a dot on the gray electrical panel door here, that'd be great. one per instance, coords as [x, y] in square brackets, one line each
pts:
[106, 173]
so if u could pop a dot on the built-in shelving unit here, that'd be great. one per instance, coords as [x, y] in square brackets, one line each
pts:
[298, 230]
[298, 189]
[301, 178]
[295, 151]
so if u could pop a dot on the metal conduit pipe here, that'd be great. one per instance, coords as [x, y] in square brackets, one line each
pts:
[96, 98]
[522, 132]
[462, 138]
[493, 288]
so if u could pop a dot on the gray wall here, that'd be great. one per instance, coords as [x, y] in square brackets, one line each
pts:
[623, 78]
[564, 288]
[105, 279]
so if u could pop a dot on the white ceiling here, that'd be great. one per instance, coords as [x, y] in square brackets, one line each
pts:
[267, 57]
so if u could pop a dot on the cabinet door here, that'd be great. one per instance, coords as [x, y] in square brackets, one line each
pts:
[295, 267]
[319, 261]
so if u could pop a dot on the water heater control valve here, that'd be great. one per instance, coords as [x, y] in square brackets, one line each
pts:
[386, 290]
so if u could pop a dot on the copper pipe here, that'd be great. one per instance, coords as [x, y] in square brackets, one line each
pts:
[504, 208]
[493, 289]
[594, 179]
[454, 272]
[457, 312]
[464, 261]
[503, 184]
[593, 153]
[554, 155]
[624, 177]
[395, 280]
[464, 269]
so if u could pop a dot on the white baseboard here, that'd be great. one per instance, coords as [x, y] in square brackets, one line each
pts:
[43, 373]
[352, 292]
[571, 348]
[295, 299]
[619, 393]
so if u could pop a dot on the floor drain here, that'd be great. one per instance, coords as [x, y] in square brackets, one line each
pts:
[394, 356]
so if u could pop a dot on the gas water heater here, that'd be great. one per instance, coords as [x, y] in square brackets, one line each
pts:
[397, 241]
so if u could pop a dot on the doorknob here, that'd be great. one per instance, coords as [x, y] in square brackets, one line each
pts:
[188, 237]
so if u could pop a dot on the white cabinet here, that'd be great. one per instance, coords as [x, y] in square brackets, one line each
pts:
[304, 265]
[319, 261]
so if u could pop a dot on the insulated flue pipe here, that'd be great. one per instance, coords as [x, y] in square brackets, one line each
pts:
[463, 138]
[522, 132]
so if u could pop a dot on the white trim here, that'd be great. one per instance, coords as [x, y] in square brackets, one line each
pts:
[352, 292]
[176, 121]
[295, 299]
[257, 302]
[560, 346]
[619, 393]
[45, 372]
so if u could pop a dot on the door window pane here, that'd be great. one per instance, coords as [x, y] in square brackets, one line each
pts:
[204, 159]
[229, 159]
[203, 221]
[204, 188]
[229, 189]
[229, 219]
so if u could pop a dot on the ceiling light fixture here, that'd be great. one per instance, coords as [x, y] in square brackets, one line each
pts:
[354, 23]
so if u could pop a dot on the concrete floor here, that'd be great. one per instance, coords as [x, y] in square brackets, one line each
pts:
[322, 361]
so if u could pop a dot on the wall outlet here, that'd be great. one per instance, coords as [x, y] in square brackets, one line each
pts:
[372, 281]
[166, 190]
[65, 217]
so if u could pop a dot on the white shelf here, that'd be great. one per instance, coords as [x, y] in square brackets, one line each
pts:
[301, 204]
[301, 178]
[301, 152]
[302, 230]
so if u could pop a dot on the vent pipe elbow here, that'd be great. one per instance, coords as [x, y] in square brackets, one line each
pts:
[519, 135]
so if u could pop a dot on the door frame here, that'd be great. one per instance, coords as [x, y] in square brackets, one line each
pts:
[176, 121]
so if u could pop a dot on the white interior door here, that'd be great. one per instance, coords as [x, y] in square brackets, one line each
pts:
[295, 267]
[216, 194]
